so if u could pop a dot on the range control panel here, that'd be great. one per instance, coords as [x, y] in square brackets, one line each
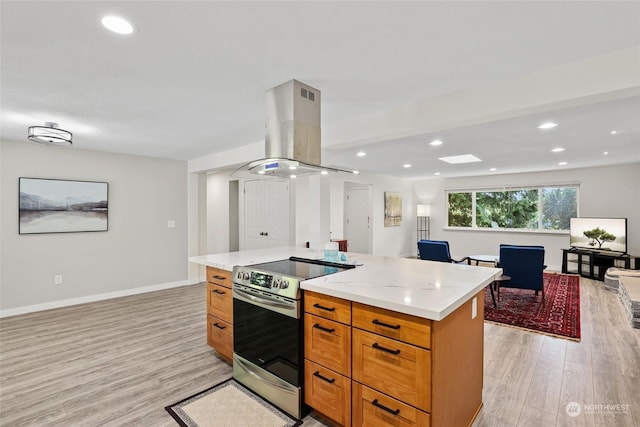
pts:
[273, 283]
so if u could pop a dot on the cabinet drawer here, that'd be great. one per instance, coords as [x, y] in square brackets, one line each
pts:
[220, 336]
[328, 343]
[220, 302]
[329, 307]
[327, 392]
[398, 369]
[404, 327]
[219, 276]
[372, 408]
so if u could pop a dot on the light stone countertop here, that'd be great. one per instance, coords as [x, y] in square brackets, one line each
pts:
[426, 289]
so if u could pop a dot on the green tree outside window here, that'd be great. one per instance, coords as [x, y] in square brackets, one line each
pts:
[543, 208]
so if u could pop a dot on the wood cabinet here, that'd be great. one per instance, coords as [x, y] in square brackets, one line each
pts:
[327, 392]
[400, 370]
[391, 324]
[372, 408]
[327, 348]
[220, 312]
[406, 370]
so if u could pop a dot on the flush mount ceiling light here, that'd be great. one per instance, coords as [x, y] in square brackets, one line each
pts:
[435, 142]
[465, 158]
[557, 150]
[406, 165]
[361, 154]
[547, 125]
[50, 134]
[117, 24]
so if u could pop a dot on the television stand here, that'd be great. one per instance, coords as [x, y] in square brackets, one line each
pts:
[593, 264]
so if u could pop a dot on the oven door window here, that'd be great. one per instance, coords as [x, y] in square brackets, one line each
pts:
[268, 339]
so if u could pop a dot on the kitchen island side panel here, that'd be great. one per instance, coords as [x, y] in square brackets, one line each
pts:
[457, 365]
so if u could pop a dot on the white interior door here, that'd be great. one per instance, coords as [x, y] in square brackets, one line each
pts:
[277, 213]
[357, 219]
[266, 213]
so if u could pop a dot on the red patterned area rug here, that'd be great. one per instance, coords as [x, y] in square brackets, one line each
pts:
[558, 315]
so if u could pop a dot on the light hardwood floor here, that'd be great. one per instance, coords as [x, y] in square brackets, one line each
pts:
[121, 361]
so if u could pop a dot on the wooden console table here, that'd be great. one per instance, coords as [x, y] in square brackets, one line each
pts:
[588, 261]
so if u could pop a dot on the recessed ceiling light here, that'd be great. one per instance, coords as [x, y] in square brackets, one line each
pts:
[465, 158]
[356, 172]
[437, 173]
[407, 165]
[261, 172]
[435, 142]
[292, 167]
[324, 173]
[557, 149]
[361, 154]
[605, 153]
[117, 24]
[547, 125]
[292, 176]
[613, 132]
[562, 163]
[493, 169]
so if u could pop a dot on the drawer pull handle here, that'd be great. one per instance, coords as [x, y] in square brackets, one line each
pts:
[322, 328]
[219, 326]
[316, 305]
[215, 291]
[386, 325]
[388, 350]
[384, 408]
[317, 374]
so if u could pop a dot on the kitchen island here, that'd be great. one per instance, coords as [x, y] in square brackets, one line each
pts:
[393, 341]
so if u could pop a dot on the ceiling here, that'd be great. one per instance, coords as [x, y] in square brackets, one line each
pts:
[191, 81]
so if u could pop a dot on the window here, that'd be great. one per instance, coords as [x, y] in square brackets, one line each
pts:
[531, 208]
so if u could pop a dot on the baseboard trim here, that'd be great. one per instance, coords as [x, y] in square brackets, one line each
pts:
[93, 298]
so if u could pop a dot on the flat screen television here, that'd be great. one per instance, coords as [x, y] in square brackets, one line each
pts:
[599, 234]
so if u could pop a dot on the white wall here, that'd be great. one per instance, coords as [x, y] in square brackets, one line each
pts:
[138, 252]
[217, 213]
[391, 241]
[604, 192]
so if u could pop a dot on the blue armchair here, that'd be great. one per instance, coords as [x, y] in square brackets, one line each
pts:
[436, 250]
[524, 264]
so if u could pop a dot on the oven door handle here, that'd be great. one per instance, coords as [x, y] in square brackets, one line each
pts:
[272, 304]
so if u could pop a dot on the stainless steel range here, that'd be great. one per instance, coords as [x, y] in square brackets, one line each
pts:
[268, 328]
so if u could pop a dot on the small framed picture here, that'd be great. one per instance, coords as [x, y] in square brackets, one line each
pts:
[392, 209]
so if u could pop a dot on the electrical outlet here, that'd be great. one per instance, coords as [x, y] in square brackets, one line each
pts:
[57, 279]
[474, 307]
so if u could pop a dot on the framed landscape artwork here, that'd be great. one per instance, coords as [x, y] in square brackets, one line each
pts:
[62, 206]
[392, 209]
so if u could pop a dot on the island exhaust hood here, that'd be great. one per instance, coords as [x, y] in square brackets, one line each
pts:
[292, 142]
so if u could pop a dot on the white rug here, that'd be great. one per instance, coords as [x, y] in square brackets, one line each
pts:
[228, 404]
